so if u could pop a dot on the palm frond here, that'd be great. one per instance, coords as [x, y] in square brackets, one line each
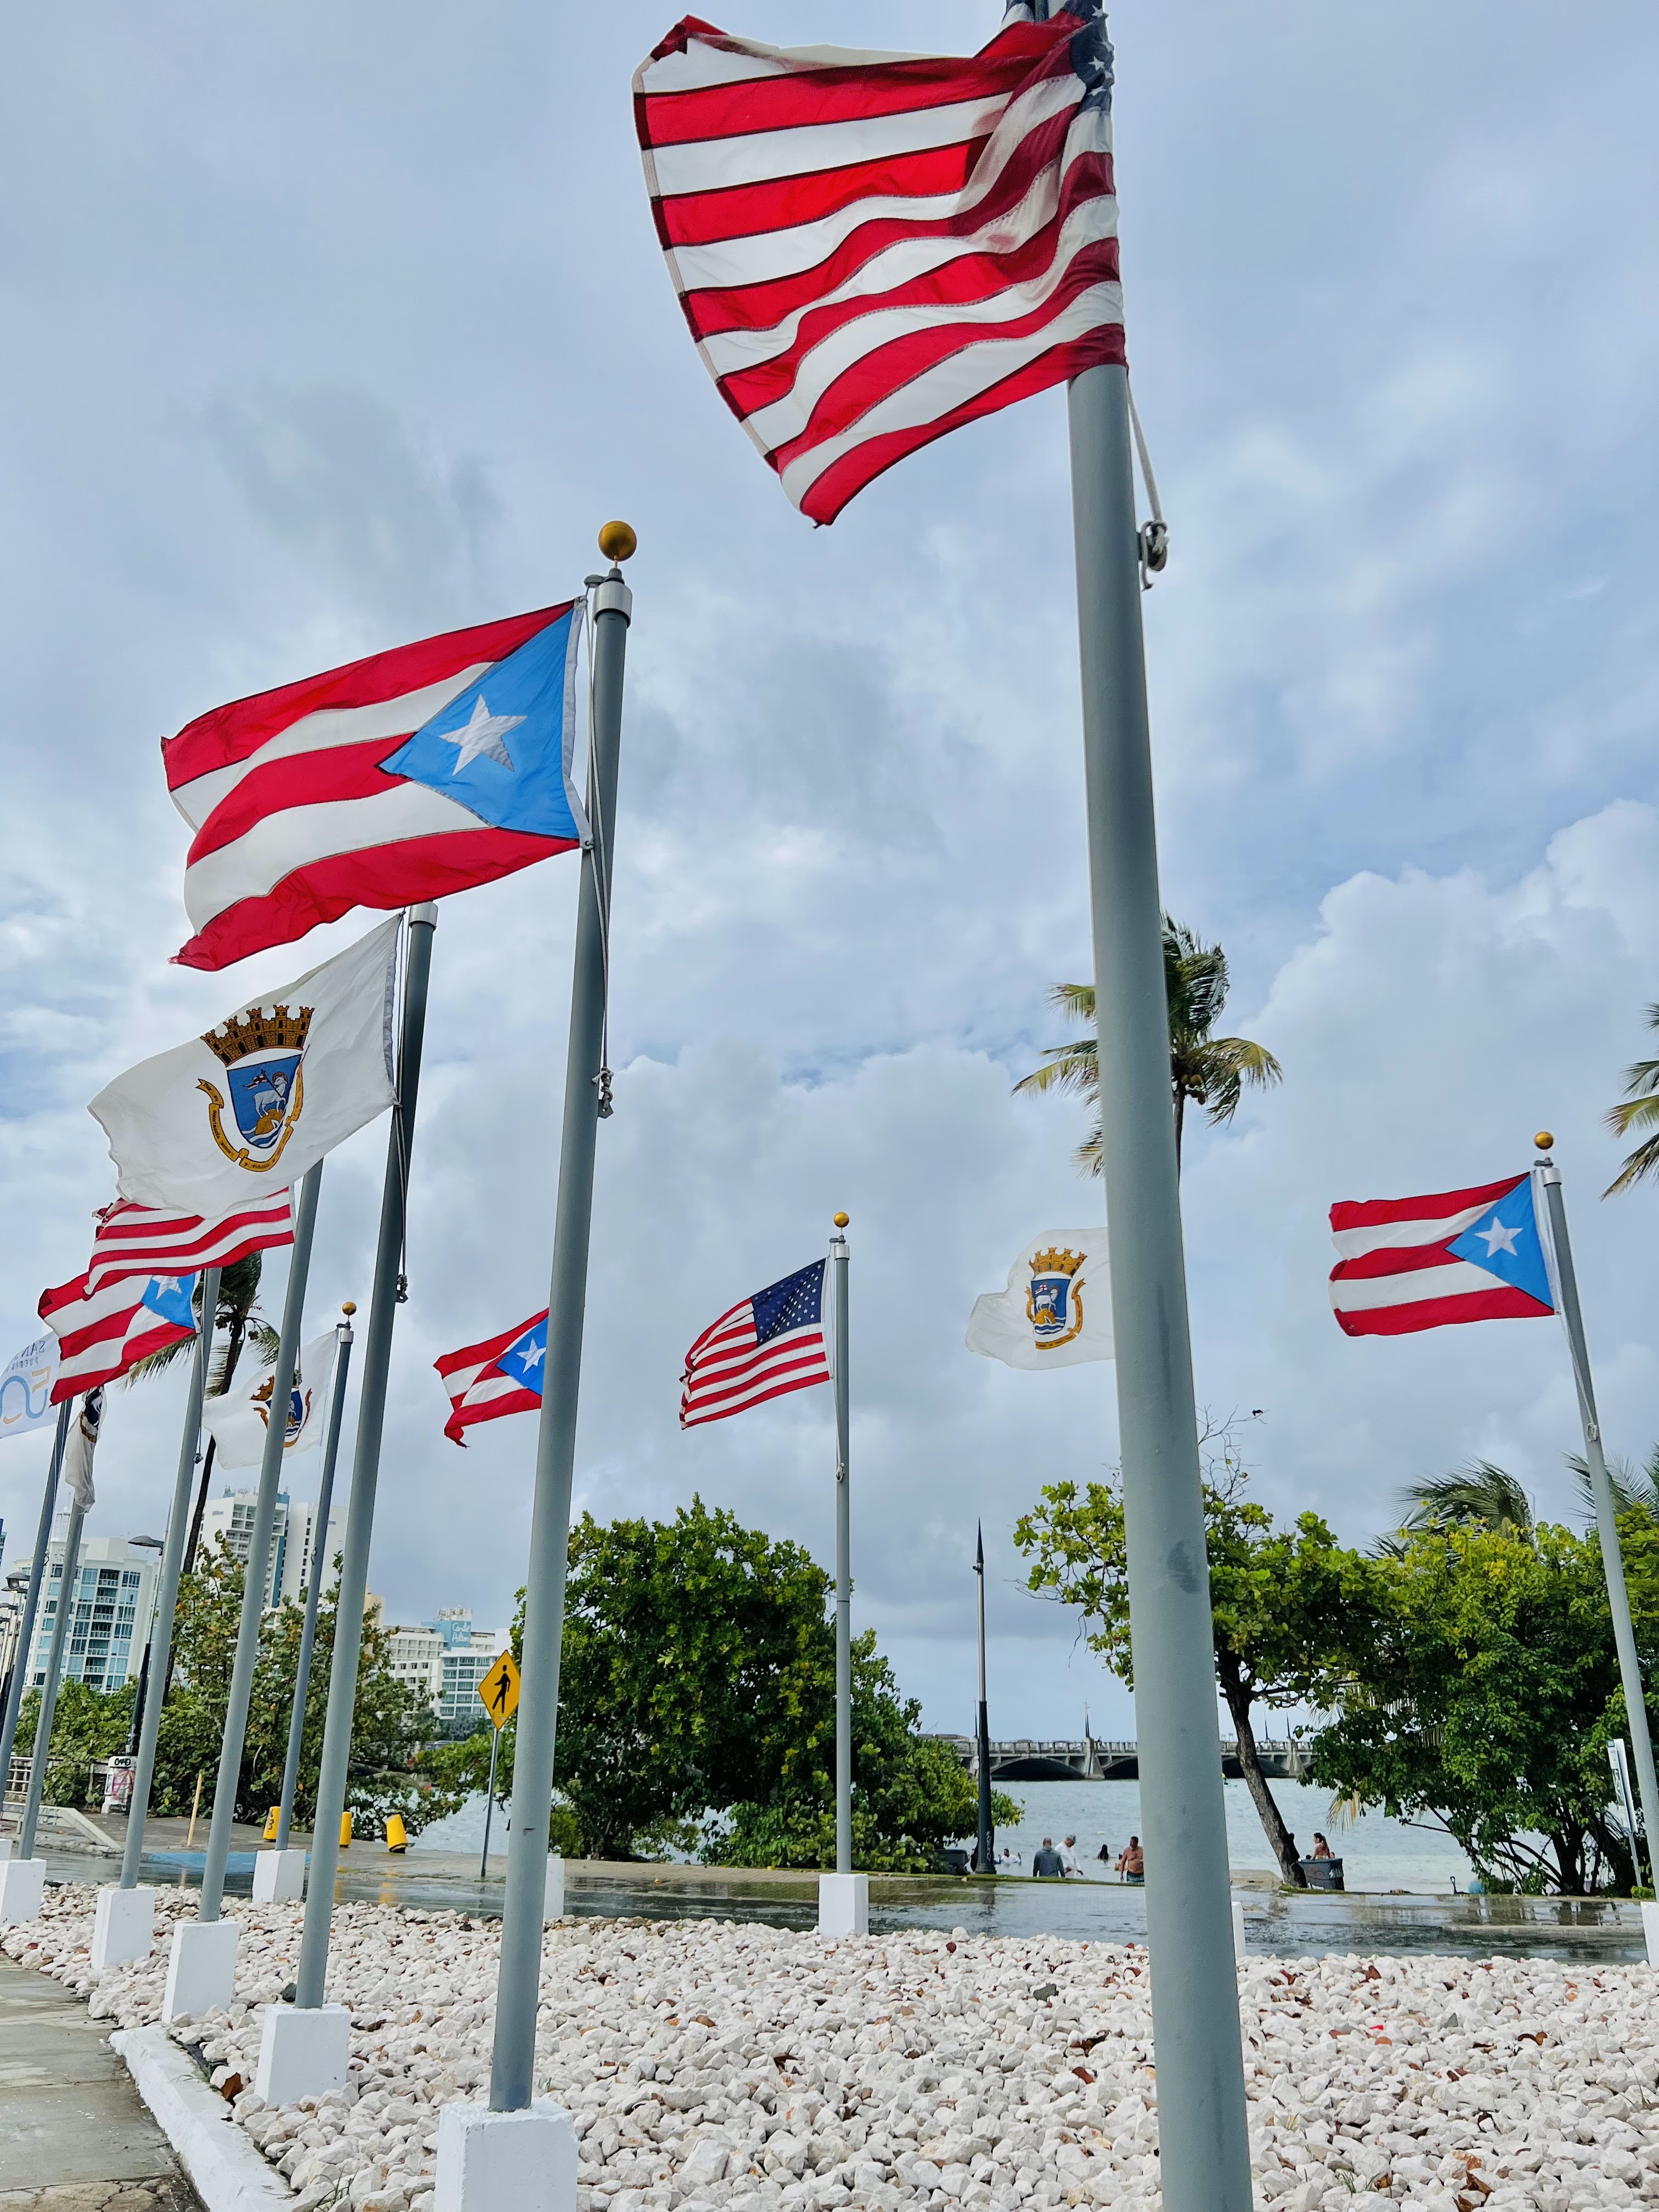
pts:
[1077, 999]
[1478, 1495]
[1635, 1490]
[153, 1362]
[1638, 1110]
[264, 1339]
[1068, 1068]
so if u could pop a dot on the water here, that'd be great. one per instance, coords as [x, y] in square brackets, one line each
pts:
[1378, 1853]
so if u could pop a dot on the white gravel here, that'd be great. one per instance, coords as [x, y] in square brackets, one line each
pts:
[710, 2063]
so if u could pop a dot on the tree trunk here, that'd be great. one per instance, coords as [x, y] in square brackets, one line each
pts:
[1279, 1839]
[1181, 1116]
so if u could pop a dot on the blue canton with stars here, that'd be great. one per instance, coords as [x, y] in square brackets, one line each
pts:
[499, 748]
[1504, 1242]
[525, 1357]
[792, 1304]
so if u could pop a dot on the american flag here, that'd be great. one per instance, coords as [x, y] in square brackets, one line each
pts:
[873, 248]
[394, 780]
[770, 1344]
[144, 1240]
[1457, 1255]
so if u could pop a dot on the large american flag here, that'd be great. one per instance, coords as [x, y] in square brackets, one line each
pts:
[873, 248]
[768, 1345]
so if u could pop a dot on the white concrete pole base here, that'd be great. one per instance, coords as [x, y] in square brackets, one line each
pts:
[278, 1876]
[553, 1907]
[302, 2053]
[1651, 1930]
[23, 1885]
[8, 1846]
[1238, 1932]
[123, 1926]
[201, 1968]
[843, 1904]
[490, 2161]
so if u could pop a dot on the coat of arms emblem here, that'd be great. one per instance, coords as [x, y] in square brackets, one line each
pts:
[299, 1408]
[262, 1056]
[1054, 1302]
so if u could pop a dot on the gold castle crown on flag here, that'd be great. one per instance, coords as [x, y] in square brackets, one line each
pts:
[279, 1030]
[1055, 1262]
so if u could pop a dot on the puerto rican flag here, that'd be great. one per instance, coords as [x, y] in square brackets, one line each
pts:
[102, 1334]
[395, 779]
[504, 1374]
[1411, 1263]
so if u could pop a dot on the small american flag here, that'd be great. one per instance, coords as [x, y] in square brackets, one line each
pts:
[873, 248]
[143, 1240]
[770, 1344]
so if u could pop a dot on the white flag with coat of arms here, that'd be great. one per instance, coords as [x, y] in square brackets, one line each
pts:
[239, 1421]
[256, 1100]
[1057, 1308]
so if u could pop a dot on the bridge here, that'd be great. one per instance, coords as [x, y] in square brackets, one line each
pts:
[1097, 1759]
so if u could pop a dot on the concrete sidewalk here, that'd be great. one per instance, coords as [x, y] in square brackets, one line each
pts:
[73, 2136]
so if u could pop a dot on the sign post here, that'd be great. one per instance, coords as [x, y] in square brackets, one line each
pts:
[499, 1692]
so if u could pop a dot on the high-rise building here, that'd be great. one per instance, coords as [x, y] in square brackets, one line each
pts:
[231, 1516]
[415, 1657]
[113, 1600]
[446, 1657]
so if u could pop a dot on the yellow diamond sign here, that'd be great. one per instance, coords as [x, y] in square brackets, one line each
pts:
[500, 1690]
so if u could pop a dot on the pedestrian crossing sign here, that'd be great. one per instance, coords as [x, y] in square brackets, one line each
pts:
[500, 1691]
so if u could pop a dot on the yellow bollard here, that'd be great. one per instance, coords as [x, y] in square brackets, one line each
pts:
[396, 1836]
[271, 1818]
[345, 1831]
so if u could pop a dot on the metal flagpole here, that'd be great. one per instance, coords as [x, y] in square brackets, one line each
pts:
[172, 1559]
[988, 1841]
[1607, 1513]
[587, 1080]
[31, 1602]
[386, 1294]
[1205, 2163]
[259, 1554]
[296, 1726]
[843, 1565]
[49, 1688]
[489, 1802]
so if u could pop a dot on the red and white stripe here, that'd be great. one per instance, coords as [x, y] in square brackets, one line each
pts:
[871, 249]
[142, 1240]
[727, 1371]
[296, 820]
[102, 1334]
[1396, 1276]
[479, 1390]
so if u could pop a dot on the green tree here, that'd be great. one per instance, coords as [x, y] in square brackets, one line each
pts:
[1294, 1611]
[698, 1678]
[86, 1725]
[1490, 1693]
[1478, 1495]
[1638, 1110]
[1204, 1070]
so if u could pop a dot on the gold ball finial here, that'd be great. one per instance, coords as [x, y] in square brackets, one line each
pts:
[841, 1220]
[617, 542]
[1543, 1140]
[350, 1307]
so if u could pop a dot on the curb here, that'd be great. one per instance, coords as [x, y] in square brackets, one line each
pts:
[225, 2170]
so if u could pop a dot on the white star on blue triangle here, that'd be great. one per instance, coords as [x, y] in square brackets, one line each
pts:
[463, 751]
[169, 1295]
[525, 1357]
[1504, 1242]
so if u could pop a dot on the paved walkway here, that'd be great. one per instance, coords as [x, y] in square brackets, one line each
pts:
[73, 2136]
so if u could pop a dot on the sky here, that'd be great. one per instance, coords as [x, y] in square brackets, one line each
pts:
[329, 328]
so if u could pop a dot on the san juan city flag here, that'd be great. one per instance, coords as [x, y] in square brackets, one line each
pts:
[1411, 1263]
[392, 780]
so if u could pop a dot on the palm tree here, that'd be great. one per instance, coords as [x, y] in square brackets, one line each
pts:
[1208, 1071]
[237, 1313]
[1478, 1497]
[1635, 1490]
[1640, 1110]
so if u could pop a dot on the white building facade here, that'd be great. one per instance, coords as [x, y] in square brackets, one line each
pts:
[113, 1601]
[446, 1659]
[231, 1516]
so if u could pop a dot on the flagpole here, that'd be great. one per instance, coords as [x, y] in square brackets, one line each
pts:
[987, 1844]
[1204, 2165]
[512, 2075]
[259, 1554]
[31, 1602]
[49, 1688]
[1606, 1512]
[296, 1726]
[385, 1299]
[843, 1563]
[161, 1634]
